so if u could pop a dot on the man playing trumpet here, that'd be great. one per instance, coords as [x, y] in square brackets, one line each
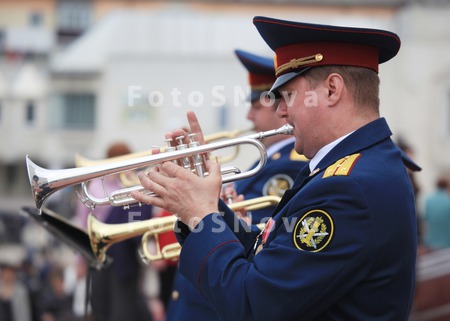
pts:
[341, 245]
[283, 165]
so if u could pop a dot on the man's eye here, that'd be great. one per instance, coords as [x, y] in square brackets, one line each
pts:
[286, 95]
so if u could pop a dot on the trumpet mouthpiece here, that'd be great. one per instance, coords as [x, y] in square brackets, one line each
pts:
[286, 130]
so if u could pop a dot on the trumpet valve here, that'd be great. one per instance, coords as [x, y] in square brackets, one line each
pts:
[198, 161]
[169, 141]
[169, 148]
[185, 162]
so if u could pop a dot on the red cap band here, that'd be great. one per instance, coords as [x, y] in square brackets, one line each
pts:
[332, 53]
[261, 81]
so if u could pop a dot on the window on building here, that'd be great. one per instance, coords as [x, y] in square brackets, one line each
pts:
[73, 18]
[35, 19]
[30, 112]
[11, 174]
[73, 111]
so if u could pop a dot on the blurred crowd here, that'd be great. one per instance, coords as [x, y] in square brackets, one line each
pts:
[44, 278]
[436, 216]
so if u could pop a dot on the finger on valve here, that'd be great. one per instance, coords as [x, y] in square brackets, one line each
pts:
[195, 127]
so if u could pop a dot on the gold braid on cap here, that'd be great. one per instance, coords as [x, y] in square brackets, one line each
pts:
[262, 87]
[295, 63]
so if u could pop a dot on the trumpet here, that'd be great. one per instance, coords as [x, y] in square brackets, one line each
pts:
[103, 235]
[131, 180]
[45, 182]
[126, 178]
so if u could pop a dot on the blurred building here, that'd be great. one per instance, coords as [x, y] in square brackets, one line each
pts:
[78, 75]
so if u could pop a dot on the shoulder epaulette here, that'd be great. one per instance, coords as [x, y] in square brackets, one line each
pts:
[342, 167]
[297, 157]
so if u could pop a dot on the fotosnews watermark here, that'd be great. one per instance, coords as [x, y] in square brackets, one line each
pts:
[219, 224]
[218, 96]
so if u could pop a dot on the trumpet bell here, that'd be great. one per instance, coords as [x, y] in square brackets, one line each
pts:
[44, 182]
[103, 235]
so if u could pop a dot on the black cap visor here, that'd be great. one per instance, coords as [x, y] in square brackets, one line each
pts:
[284, 79]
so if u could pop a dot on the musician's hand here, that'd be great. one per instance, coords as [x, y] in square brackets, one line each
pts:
[194, 128]
[181, 192]
[229, 195]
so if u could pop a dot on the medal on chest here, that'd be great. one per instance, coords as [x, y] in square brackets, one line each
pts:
[262, 237]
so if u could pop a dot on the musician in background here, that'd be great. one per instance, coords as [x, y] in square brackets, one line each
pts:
[283, 165]
[96, 188]
[283, 162]
[118, 289]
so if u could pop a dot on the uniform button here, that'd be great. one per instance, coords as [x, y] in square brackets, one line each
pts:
[175, 295]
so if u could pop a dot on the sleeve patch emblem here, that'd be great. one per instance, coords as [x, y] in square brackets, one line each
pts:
[314, 231]
[277, 185]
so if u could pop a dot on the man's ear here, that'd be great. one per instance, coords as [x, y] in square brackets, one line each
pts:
[335, 86]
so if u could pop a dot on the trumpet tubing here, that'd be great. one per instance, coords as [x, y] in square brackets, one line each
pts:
[227, 135]
[130, 179]
[103, 235]
[126, 178]
[81, 161]
[45, 182]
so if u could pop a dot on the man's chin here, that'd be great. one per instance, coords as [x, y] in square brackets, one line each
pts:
[298, 147]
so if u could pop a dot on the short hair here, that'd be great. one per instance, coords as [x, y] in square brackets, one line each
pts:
[362, 83]
[118, 149]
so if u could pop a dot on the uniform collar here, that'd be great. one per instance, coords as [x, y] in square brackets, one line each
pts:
[324, 151]
[362, 138]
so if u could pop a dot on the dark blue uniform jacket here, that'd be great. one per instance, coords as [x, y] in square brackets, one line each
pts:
[276, 176]
[342, 246]
[279, 172]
